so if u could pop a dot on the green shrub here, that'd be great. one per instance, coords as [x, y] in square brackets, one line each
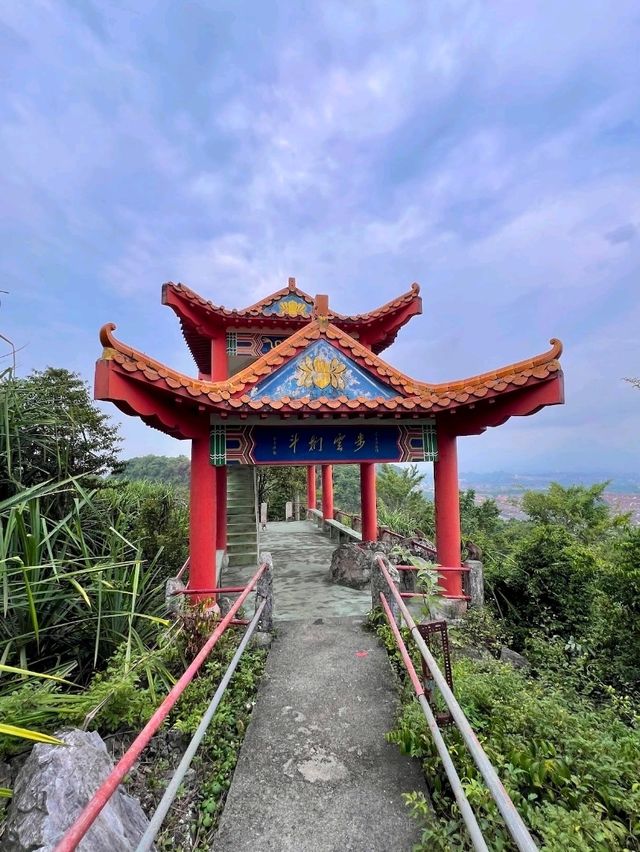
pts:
[571, 770]
[550, 583]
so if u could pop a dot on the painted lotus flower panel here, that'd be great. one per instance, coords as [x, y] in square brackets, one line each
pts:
[321, 370]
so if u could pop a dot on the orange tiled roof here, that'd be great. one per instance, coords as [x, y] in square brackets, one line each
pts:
[256, 309]
[251, 311]
[198, 317]
[232, 394]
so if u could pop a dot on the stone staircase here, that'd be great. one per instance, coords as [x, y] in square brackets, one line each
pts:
[242, 527]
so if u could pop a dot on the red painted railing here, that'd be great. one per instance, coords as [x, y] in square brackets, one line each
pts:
[438, 569]
[513, 821]
[102, 795]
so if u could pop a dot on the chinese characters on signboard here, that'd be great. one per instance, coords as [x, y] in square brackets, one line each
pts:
[303, 444]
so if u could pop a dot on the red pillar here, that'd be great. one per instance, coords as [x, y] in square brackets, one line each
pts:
[221, 507]
[368, 508]
[202, 517]
[311, 487]
[447, 506]
[219, 358]
[327, 492]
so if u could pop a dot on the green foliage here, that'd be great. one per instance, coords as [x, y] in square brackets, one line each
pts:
[479, 519]
[550, 583]
[579, 510]
[167, 470]
[218, 754]
[50, 430]
[72, 590]
[480, 629]
[346, 488]
[564, 738]
[402, 506]
[154, 515]
[130, 688]
[615, 614]
[279, 484]
[570, 769]
[567, 583]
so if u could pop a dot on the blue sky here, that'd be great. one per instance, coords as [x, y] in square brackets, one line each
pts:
[489, 151]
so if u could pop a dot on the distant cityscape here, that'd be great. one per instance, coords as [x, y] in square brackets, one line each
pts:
[622, 493]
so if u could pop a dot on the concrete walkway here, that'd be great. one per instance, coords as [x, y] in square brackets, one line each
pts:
[315, 773]
[301, 560]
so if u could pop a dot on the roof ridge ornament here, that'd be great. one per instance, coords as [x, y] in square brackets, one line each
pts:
[292, 284]
[321, 310]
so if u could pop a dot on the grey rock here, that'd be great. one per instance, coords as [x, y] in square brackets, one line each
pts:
[174, 602]
[5, 781]
[445, 609]
[264, 592]
[52, 788]
[351, 566]
[225, 603]
[471, 653]
[261, 639]
[513, 658]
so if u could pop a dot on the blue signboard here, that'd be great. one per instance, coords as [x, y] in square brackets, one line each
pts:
[331, 444]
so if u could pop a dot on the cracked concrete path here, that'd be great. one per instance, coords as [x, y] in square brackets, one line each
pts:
[315, 771]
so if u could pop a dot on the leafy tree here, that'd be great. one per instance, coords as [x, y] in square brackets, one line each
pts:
[51, 430]
[279, 484]
[615, 635]
[578, 509]
[551, 585]
[402, 505]
[346, 487]
[154, 515]
[478, 518]
[399, 485]
[170, 470]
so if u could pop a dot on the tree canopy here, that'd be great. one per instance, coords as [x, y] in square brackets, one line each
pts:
[170, 470]
[51, 430]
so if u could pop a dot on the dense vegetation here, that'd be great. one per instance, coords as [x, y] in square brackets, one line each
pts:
[85, 550]
[86, 544]
[564, 589]
[169, 470]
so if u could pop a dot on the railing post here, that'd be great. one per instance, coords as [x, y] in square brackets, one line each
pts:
[264, 592]
[476, 582]
[379, 584]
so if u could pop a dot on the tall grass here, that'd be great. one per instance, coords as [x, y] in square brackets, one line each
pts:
[81, 568]
[73, 590]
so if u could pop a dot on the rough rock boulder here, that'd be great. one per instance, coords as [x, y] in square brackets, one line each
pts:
[54, 785]
[351, 566]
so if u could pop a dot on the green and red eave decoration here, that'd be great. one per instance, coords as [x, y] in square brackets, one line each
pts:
[313, 368]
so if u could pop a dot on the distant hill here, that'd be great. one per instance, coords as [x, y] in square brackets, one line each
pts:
[171, 470]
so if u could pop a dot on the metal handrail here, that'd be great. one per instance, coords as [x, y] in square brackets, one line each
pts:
[513, 821]
[454, 779]
[155, 823]
[102, 795]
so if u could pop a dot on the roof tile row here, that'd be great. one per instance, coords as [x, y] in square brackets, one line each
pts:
[411, 394]
[258, 308]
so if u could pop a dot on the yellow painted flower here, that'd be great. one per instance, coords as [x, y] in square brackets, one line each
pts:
[292, 308]
[321, 373]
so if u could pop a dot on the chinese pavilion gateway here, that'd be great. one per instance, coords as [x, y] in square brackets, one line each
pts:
[290, 381]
